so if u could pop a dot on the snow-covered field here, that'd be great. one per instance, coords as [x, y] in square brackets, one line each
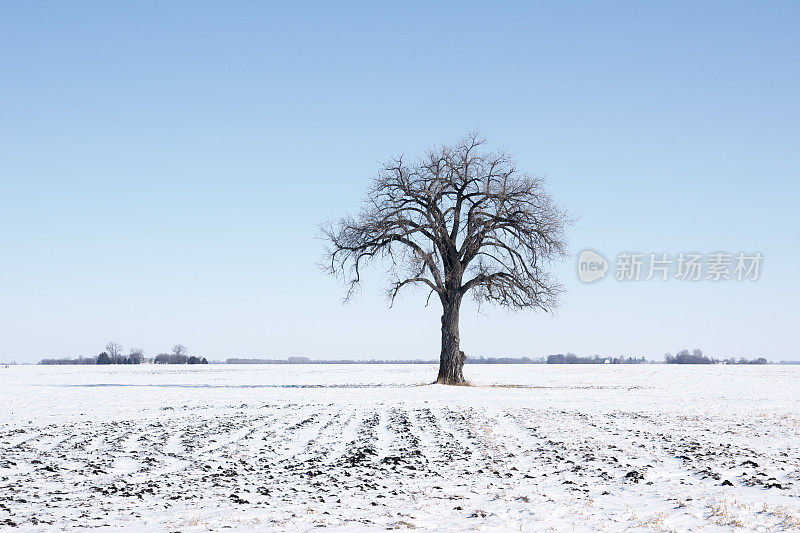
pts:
[187, 448]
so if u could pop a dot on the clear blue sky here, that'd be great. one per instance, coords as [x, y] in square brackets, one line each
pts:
[164, 166]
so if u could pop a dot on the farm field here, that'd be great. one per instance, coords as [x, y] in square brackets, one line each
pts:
[294, 447]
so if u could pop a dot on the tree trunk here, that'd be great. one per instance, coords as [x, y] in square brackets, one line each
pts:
[451, 360]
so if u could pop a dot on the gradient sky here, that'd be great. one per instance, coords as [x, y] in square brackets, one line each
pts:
[164, 167]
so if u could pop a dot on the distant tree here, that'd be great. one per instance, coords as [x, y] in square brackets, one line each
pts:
[177, 357]
[103, 359]
[114, 350]
[459, 220]
[684, 357]
[194, 360]
[179, 350]
[136, 356]
[204, 361]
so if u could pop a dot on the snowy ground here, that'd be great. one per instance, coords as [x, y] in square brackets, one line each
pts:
[368, 447]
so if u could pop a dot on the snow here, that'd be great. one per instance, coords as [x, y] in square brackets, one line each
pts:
[292, 447]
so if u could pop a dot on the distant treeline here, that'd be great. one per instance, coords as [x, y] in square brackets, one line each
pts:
[70, 361]
[551, 359]
[114, 356]
[572, 359]
[100, 359]
[696, 357]
[307, 361]
[105, 359]
[505, 361]
[173, 359]
[682, 357]
[179, 356]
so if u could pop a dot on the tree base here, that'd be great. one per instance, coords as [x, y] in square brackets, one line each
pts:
[463, 383]
[451, 370]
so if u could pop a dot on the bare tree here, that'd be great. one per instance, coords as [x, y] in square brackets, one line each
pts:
[460, 219]
[179, 350]
[136, 356]
[114, 350]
